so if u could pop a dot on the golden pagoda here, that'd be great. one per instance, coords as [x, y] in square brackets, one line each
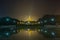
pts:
[29, 19]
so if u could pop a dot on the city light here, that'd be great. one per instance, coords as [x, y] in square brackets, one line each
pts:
[45, 31]
[28, 29]
[41, 22]
[45, 21]
[7, 19]
[14, 21]
[52, 19]
[41, 30]
[11, 28]
[38, 22]
[14, 30]
[53, 33]
[7, 33]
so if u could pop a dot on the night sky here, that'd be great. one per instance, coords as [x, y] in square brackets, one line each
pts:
[21, 9]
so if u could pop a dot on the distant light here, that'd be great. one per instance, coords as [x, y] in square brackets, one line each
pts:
[45, 31]
[7, 34]
[41, 29]
[14, 31]
[14, 21]
[21, 30]
[45, 21]
[52, 19]
[41, 21]
[38, 22]
[28, 22]
[53, 33]
[28, 29]
[11, 29]
[38, 29]
[7, 19]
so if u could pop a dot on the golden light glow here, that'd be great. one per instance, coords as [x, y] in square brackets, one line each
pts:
[29, 18]
[29, 32]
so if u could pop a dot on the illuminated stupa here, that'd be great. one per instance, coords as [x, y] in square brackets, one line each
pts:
[29, 19]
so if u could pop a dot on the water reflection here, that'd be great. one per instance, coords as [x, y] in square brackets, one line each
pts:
[7, 32]
[22, 34]
[28, 34]
[25, 34]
